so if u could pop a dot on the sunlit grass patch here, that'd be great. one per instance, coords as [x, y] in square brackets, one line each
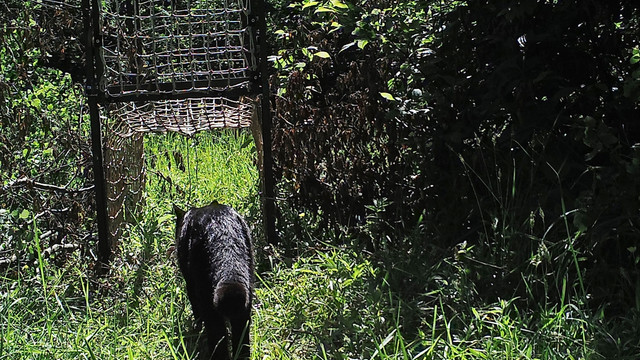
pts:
[337, 304]
[139, 310]
[208, 166]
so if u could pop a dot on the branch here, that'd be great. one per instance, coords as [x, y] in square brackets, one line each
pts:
[42, 186]
[46, 253]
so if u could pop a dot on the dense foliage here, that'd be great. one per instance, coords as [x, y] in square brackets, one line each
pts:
[508, 129]
[46, 178]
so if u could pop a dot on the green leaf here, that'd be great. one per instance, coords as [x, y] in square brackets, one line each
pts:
[322, 9]
[339, 4]
[362, 43]
[322, 54]
[635, 57]
[335, 26]
[387, 96]
[307, 53]
[24, 214]
[346, 46]
[309, 4]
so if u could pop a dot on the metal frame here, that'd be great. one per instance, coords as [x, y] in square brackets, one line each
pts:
[96, 97]
[91, 42]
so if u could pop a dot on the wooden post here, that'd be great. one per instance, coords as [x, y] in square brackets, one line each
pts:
[268, 182]
[91, 41]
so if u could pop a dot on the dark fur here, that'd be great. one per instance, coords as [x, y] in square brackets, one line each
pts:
[215, 256]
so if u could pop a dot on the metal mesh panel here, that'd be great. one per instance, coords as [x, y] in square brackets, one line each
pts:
[125, 176]
[153, 47]
[167, 52]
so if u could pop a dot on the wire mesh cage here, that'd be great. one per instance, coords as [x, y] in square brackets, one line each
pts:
[164, 66]
[167, 51]
[159, 46]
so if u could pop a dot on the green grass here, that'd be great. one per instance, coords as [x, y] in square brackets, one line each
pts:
[139, 310]
[328, 303]
[210, 166]
[336, 304]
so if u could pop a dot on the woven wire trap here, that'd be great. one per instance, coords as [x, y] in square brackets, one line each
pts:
[167, 66]
[187, 116]
[164, 53]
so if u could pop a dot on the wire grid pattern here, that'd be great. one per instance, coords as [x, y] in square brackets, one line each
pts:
[167, 66]
[125, 176]
[172, 46]
[169, 48]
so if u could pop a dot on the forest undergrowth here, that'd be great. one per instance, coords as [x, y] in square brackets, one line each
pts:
[456, 180]
[326, 302]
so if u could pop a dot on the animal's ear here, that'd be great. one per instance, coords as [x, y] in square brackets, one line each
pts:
[179, 214]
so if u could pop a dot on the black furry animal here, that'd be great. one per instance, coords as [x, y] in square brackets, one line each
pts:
[215, 256]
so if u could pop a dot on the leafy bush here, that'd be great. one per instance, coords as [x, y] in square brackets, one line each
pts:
[338, 140]
[508, 127]
[44, 151]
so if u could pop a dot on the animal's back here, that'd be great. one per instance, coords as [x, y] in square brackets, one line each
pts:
[228, 246]
[215, 255]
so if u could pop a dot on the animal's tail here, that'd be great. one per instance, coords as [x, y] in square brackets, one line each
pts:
[231, 298]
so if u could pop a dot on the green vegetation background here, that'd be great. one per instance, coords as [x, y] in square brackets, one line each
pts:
[456, 180]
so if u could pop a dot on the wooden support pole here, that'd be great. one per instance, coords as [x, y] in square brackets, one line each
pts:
[268, 182]
[91, 41]
[104, 238]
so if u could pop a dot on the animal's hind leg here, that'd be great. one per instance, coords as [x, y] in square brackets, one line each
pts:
[195, 303]
[240, 328]
[216, 328]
